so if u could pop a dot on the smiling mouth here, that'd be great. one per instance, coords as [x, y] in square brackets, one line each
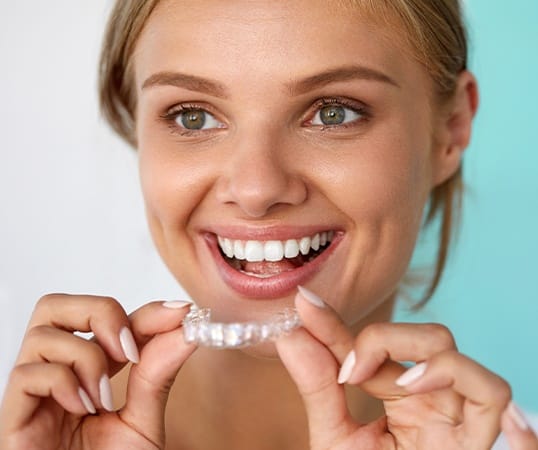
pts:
[266, 259]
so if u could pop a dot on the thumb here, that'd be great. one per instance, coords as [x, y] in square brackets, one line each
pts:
[161, 358]
[314, 370]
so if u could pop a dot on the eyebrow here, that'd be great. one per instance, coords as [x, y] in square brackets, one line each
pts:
[190, 82]
[216, 89]
[345, 73]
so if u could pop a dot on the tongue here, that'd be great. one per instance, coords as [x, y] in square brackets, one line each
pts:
[270, 268]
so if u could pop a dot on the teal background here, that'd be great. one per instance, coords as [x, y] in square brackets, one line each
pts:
[488, 293]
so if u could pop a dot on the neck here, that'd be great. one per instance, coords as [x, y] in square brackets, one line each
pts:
[236, 400]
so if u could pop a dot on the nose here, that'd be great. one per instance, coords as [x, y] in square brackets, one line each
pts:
[259, 176]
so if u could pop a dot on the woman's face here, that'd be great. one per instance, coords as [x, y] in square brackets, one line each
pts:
[266, 127]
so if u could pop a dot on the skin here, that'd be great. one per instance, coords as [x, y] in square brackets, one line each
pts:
[305, 170]
[267, 163]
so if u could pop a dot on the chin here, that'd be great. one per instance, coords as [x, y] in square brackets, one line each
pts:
[265, 350]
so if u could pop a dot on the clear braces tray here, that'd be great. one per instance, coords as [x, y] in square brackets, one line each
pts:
[198, 329]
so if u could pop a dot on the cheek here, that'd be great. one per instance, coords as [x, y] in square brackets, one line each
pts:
[172, 182]
[383, 193]
[173, 185]
[390, 182]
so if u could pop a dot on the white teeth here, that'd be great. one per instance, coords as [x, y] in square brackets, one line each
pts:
[315, 242]
[255, 251]
[239, 250]
[291, 248]
[274, 251]
[228, 248]
[304, 245]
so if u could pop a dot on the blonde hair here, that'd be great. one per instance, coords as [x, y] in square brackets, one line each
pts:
[434, 30]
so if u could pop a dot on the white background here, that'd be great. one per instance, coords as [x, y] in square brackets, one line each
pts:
[72, 217]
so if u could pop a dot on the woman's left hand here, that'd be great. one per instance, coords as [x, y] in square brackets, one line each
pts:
[447, 401]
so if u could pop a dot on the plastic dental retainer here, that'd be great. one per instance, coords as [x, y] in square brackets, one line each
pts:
[198, 329]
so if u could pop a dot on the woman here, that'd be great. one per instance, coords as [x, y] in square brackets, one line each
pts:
[281, 144]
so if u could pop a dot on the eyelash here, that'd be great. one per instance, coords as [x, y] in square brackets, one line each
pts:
[171, 115]
[357, 107]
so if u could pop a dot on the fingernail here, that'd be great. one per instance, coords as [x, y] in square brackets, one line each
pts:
[411, 375]
[311, 297]
[84, 397]
[128, 345]
[347, 367]
[176, 304]
[105, 392]
[517, 416]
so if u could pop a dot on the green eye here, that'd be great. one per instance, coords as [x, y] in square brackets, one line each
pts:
[193, 120]
[196, 119]
[331, 115]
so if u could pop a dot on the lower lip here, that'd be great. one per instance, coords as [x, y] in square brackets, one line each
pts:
[272, 287]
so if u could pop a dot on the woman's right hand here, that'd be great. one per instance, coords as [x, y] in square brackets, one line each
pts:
[60, 379]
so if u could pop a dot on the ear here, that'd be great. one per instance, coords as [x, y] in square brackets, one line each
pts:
[454, 129]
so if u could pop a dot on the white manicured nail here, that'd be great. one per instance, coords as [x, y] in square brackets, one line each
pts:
[176, 304]
[311, 297]
[85, 398]
[517, 416]
[347, 367]
[411, 375]
[105, 391]
[128, 345]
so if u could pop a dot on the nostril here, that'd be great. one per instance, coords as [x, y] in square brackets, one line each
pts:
[257, 182]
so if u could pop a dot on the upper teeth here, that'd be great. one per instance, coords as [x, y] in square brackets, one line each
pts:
[255, 251]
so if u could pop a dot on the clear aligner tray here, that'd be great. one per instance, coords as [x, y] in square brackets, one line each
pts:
[198, 329]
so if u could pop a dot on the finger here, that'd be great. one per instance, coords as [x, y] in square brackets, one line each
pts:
[380, 342]
[377, 347]
[156, 317]
[486, 394]
[103, 316]
[85, 358]
[326, 326]
[163, 353]
[150, 319]
[515, 427]
[30, 384]
[314, 369]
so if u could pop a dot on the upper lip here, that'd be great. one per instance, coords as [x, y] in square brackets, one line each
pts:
[266, 233]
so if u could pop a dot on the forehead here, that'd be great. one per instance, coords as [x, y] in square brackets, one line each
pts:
[273, 39]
